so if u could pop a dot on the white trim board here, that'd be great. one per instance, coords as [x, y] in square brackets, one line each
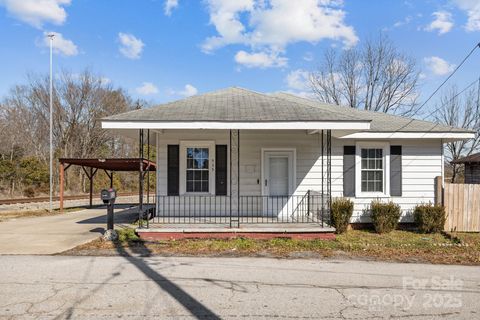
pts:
[266, 125]
[447, 136]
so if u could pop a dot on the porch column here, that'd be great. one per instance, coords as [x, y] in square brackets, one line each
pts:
[148, 177]
[326, 163]
[234, 178]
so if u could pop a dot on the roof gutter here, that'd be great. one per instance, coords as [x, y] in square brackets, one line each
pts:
[252, 125]
[446, 136]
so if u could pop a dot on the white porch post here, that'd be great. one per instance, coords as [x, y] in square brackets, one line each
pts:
[234, 178]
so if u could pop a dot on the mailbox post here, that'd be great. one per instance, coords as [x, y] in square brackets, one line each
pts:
[108, 197]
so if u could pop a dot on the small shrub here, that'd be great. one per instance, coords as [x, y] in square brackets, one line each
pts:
[342, 210]
[29, 192]
[127, 235]
[429, 218]
[385, 216]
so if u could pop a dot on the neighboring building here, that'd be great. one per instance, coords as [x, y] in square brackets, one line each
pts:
[238, 156]
[472, 167]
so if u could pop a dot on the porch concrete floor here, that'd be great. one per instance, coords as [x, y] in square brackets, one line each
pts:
[222, 225]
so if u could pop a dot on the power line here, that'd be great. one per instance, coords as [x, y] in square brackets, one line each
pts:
[453, 98]
[451, 74]
[437, 109]
[441, 85]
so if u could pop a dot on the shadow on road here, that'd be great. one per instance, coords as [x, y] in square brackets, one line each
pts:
[195, 307]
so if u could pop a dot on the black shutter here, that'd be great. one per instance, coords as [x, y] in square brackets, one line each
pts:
[173, 170]
[221, 170]
[396, 171]
[349, 171]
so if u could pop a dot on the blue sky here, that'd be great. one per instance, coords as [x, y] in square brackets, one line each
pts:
[161, 50]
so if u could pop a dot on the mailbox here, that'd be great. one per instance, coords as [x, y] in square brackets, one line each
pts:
[108, 196]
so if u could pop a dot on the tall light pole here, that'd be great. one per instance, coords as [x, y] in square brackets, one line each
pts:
[51, 36]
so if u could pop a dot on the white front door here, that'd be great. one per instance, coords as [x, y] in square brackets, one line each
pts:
[278, 180]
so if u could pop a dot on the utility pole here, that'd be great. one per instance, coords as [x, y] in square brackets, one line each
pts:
[51, 36]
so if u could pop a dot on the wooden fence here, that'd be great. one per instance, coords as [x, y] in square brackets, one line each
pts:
[462, 205]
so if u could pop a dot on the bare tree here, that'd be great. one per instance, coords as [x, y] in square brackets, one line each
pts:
[375, 76]
[79, 102]
[462, 111]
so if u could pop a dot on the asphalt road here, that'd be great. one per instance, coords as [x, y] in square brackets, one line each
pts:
[130, 287]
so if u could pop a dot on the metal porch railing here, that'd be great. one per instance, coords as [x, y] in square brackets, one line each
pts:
[312, 207]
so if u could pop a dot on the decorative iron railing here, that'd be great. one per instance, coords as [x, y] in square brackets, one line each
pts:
[312, 207]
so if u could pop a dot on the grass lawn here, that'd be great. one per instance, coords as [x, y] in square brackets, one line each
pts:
[400, 246]
[9, 215]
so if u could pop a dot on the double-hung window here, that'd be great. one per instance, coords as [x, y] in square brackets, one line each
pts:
[197, 170]
[372, 170]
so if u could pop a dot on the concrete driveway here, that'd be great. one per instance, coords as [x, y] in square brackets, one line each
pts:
[54, 234]
[132, 287]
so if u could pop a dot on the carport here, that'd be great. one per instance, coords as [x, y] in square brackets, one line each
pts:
[109, 166]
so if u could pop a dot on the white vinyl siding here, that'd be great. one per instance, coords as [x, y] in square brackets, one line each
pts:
[421, 163]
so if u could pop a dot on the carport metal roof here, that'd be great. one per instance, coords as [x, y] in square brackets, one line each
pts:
[111, 164]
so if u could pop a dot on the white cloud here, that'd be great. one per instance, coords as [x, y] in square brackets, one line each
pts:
[472, 8]
[442, 23]
[147, 88]
[131, 47]
[260, 59]
[269, 26]
[37, 12]
[188, 91]
[308, 56]
[298, 80]
[298, 83]
[105, 80]
[60, 45]
[169, 6]
[438, 66]
[403, 22]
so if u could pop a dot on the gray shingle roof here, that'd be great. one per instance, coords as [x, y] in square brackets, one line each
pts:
[381, 122]
[232, 105]
[241, 105]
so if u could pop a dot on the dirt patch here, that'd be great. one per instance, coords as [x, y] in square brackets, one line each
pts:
[9, 215]
[398, 246]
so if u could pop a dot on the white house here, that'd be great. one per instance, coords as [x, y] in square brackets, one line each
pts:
[237, 156]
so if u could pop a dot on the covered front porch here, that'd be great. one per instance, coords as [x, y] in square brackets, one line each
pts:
[236, 159]
[256, 181]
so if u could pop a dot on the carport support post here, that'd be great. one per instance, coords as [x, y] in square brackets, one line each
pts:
[91, 186]
[62, 178]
